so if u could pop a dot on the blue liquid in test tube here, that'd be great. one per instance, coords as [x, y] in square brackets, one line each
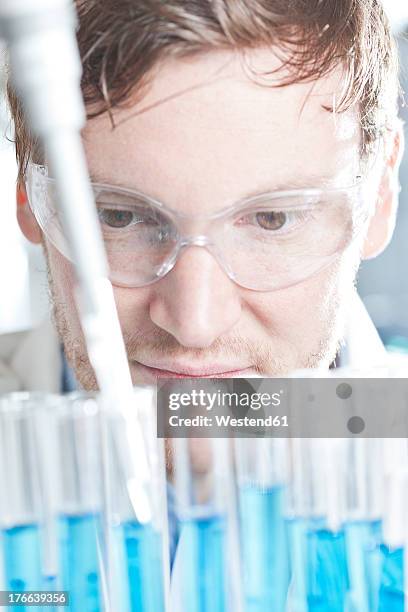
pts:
[364, 563]
[320, 578]
[203, 547]
[335, 571]
[145, 567]
[21, 536]
[374, 564]
[327, 570]
[22, 560]
[208, 528]
[392, 580]
[79, 562]
[265, 548]
[298, 529]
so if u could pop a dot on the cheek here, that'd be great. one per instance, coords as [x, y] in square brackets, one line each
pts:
[310, 308]
[132, 304]
[133, 307]
[61, 278]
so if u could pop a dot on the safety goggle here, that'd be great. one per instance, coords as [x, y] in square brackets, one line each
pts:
[263, 243]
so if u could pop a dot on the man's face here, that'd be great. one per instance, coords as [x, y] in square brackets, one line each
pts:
[202, 138]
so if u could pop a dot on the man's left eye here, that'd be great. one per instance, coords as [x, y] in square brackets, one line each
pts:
[278, 221]
[271, 220]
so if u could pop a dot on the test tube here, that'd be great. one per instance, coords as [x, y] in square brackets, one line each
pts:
[307, 512]
[319, 576]
[28, 562]
[141, 545]
[393, 549]
[203, 482]
[317, 539]
[262, 478]
[78, 500]
[357, 474]
[363, 479]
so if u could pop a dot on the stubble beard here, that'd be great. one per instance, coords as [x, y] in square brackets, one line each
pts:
[322, 354]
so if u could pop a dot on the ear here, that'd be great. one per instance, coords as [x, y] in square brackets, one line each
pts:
[25, 217]
[382, 222]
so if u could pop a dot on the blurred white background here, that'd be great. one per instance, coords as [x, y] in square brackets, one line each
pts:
[397, 12]
[383, 283]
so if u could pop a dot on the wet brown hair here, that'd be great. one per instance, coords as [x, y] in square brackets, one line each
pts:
[122, 42]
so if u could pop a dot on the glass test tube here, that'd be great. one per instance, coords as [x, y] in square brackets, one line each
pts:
[309, 535]
[394, 546]
[26, 532]
[261, 466]
[78, 500]
[319, 578]
[141, 543]
[205, 507]
[363, 489]
[375, 476]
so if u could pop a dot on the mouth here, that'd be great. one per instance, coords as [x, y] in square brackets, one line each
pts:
[178, 371]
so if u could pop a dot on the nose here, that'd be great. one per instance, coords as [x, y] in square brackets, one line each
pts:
[196, 302]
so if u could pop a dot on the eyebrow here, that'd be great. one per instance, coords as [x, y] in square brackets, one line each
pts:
[311, 181]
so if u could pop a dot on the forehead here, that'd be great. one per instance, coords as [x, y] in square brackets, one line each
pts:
[206, 133]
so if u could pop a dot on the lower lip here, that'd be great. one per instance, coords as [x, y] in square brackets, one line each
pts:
[157, 373]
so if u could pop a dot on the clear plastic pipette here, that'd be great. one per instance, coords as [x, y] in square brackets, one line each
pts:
[41, 39]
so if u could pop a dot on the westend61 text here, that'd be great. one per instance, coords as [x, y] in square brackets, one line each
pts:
[228, 421]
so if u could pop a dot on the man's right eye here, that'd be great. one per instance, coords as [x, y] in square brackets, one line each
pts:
[117, 218]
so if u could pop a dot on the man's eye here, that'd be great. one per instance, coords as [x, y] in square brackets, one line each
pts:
[271, 220]
[278, 221]
[116, 218]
